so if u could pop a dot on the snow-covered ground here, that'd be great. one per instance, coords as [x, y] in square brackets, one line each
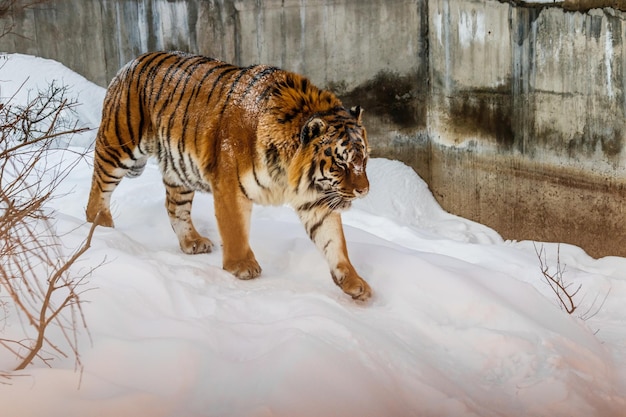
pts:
[462, 323]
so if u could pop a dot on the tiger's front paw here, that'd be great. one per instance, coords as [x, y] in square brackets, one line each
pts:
[358, 289]
[352, 284]
[243, 269]
[196, 245]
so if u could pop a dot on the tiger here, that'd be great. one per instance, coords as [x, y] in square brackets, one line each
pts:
[249, 135]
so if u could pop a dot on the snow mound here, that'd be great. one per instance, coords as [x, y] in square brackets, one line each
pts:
[23, 76]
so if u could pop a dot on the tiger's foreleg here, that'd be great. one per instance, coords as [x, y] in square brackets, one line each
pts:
[326, 231]
[178, 200]
[232, 211]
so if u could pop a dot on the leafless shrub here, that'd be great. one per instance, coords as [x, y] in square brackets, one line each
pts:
[34, 273]
[566, 294]
[46, 116]
[563, 291]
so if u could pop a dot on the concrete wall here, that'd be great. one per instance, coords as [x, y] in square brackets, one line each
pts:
[526, 120]
[338, 42]
[512, 112]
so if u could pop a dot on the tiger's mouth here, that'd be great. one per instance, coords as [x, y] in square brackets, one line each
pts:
[335, 200]
[343, 199]
[343, 205]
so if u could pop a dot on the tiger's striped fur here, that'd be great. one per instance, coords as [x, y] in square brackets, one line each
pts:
[249, 135]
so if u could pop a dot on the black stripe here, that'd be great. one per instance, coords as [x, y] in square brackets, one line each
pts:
[181, 202]
[196, 90]
[309, 206]
[198, 87]
[148, 73]
[312, 231]
[256, 179]
[272, 156]
[304, 84]
[273, 162]
[269, 90]
[173, 91]
[170, 163]
[196, 170]
[290, 81]
[129, 125]
[243, 190]
[110, 158]
[138, 86]
[233, 85]
[257, 78]
[135, 137]
[311, 175]
[288, 117]
[179, 166]
[119, 136]
[184, 190]
[182, 151]
[218, 79]
[125, 83]
[101, 174]
[216, 143]
[123, 143]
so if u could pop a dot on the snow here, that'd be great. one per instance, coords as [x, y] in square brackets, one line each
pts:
[461, 323]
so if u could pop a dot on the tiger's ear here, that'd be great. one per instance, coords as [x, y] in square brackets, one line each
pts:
[357, 112]
[312, 128]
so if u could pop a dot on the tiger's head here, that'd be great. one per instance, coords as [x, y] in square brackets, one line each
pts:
[336, 142]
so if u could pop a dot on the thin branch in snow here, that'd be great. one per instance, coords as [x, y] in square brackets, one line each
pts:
[563, 291]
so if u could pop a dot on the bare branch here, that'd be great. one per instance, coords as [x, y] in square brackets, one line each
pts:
[566, 293]
[49, 313]
[592, 311]
[562, 290]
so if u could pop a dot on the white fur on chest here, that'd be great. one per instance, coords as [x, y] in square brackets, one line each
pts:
[261, 189]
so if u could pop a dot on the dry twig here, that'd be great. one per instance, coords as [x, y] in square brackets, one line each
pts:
[564, 292]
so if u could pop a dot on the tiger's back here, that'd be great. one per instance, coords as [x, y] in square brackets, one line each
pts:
[254, 134]
[175, 107]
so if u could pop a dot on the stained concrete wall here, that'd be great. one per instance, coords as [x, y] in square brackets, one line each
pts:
[334, 42]
[513, 112]
[526, 120]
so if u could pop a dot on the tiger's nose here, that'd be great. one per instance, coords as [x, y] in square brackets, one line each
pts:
[361, 192]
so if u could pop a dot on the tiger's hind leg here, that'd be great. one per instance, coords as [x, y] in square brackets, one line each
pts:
[108, 171]
[178, 201]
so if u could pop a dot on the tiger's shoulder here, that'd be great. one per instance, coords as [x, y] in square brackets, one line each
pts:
[289, 100]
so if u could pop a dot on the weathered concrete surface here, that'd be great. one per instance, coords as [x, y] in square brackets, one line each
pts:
[513, 112]
[339, 43]
[527, 123]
